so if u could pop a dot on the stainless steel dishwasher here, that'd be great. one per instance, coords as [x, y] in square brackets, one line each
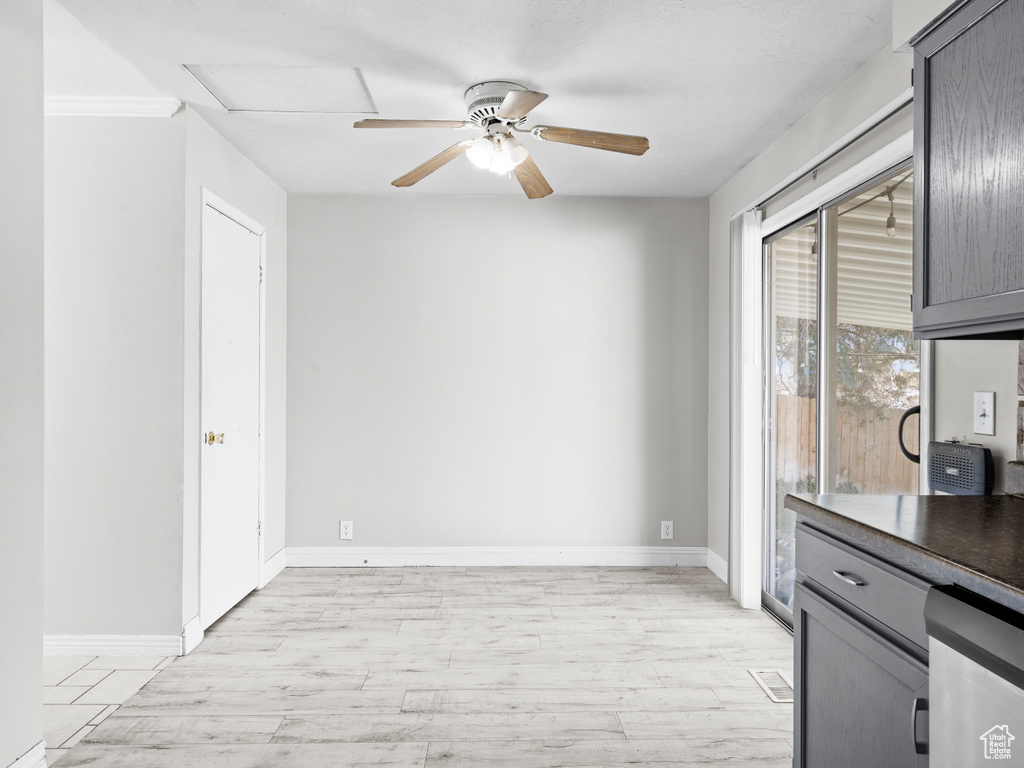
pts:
[976, 680]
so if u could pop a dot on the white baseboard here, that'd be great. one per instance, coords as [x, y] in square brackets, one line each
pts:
[191, 636]
[126, 645]
[34, 758]
[387, 557]
[273, 566]
[112, 645]
[393, 557]
[109, 106]
[718, 565]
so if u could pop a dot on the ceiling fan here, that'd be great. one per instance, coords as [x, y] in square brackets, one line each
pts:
[500, 108]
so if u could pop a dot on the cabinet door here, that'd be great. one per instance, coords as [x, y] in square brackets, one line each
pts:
[969, 150]
[855, 693]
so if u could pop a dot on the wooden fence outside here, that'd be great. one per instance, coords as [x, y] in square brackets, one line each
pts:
[868, 457]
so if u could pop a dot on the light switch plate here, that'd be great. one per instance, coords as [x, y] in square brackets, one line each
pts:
[984, 413]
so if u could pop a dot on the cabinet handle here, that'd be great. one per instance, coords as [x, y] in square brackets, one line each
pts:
[920, 705]
[850, 578]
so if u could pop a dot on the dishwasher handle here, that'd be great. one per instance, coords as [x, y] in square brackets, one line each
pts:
[919, 706]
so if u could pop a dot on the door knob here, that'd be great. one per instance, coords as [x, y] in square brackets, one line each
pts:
[212, 438]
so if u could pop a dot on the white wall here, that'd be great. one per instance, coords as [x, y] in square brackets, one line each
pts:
[115, 234]
[963, 368]
[123, 205]
[484, 371]
[214, 164]
[21, 377]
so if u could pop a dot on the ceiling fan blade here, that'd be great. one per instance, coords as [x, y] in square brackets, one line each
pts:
[375, 123]
[517, 104]
[532, 180]
[421, 172]
[613, 142]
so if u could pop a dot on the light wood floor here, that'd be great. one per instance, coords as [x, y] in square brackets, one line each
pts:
[464, 667]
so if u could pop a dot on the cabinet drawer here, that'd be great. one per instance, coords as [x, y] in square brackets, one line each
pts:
[891, 597]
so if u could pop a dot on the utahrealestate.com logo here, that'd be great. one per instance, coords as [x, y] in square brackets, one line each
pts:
[997, 742]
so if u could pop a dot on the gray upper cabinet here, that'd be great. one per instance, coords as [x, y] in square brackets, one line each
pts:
[969, 166]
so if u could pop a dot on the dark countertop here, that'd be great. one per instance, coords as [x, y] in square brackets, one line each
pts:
[974, 541]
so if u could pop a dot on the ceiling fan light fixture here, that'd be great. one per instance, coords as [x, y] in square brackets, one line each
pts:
[480, 152]
[499, 108]
[515, 149]
[501, 164]
[498, 153]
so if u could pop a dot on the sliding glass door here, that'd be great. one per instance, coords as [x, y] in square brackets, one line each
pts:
[842, 365]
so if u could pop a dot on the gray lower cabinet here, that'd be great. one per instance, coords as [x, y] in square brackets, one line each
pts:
[969, 170]
[861, 686]
[856, 693]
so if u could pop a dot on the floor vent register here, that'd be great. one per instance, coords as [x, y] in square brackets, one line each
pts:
[775, 683]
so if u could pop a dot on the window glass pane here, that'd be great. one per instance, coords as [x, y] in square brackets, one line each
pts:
[876, 365]
[792, 260]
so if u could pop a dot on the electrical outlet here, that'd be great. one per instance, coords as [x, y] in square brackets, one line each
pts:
[666, 529]
[345, 529]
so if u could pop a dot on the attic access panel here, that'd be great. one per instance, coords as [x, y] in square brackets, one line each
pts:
[271, 88]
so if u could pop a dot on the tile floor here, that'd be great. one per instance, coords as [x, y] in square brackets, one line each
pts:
[80, 692]
[431, 667]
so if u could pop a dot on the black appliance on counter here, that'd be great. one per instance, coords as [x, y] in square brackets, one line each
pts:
[962, 469]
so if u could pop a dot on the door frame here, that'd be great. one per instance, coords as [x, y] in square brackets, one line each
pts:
[769, 404]
[223, 207]
[746, 473]
[815, 207]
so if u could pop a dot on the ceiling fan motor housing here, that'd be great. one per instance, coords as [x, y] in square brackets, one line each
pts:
[483, 100]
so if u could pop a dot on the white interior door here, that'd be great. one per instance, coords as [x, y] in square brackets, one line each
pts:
[229, 511]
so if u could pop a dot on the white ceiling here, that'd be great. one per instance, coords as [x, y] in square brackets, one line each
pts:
[711, 83]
